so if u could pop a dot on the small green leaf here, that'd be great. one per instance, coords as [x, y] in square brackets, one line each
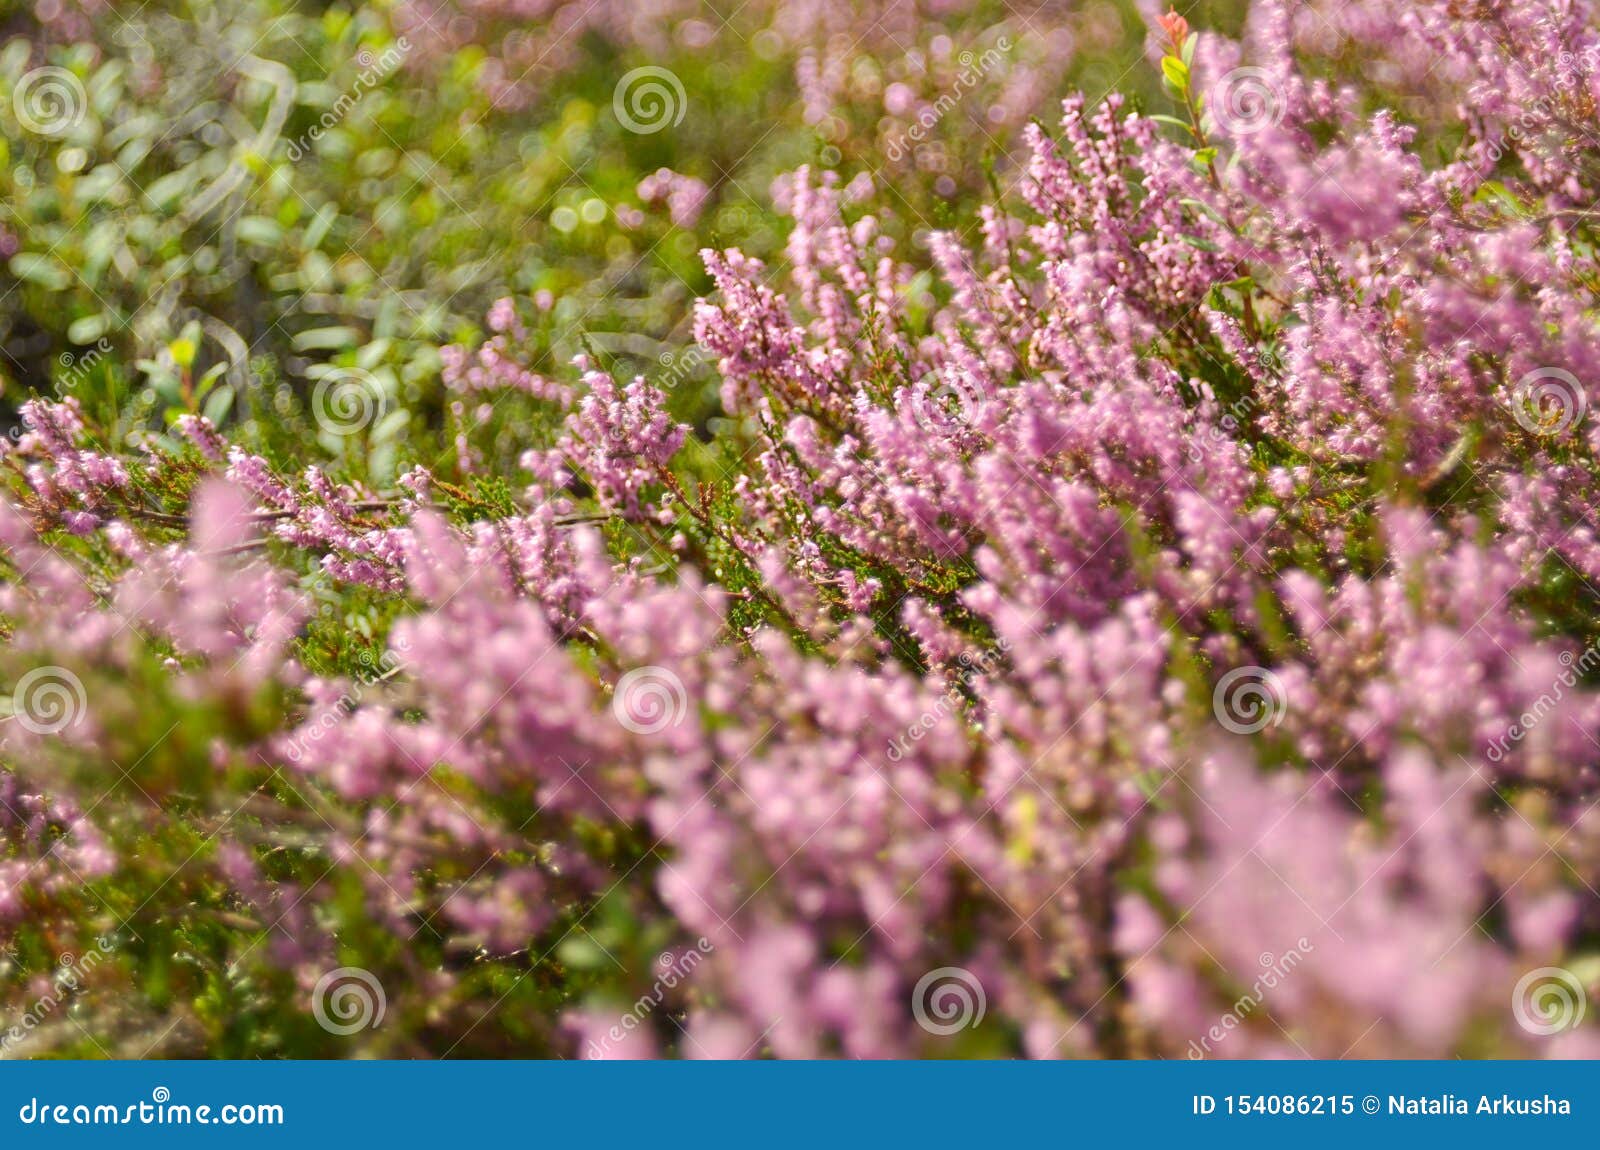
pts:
[219, 404]
[1176, 73]
[327, 338]
[44, 270]
[87, 329]
[1173, 121]
[259, 230]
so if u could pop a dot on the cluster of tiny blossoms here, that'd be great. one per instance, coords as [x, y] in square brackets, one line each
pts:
[1151, 608]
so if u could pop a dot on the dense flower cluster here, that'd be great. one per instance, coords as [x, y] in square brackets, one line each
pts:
[1183, 569]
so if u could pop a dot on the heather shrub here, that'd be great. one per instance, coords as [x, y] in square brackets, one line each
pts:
[1144, 611]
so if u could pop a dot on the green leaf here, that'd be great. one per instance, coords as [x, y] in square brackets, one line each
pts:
[87, 329]
[327, 339]
[42, 269]
[259, 230]
[1176, 73]
[1173, 121]
[219, 404]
